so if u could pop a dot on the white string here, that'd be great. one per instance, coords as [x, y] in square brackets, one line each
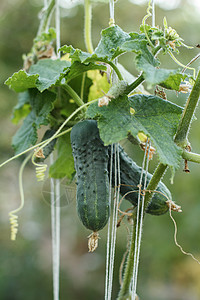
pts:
[153, 12]
[55, 193]
[55, 220]
[45, 4]
[140, 214]
[112, 9]
[55, 229]
[132, 287]
[108, 232]
[114, 223]
[57, 280]
[112, 227]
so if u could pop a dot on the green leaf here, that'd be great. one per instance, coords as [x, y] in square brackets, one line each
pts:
[64, 164]
[76, 54]
[22, 109]
[49, 72]
[42, 104]
[139, 46]
[152, 75]
[26, 135]
[153, 116]
[170, 79]
[173, 81]
[114, 41]
[111, 40]
[21, 81]
[77, 68]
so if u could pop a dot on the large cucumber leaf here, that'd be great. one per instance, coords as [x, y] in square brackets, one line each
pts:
[155, 117]
[44, 74]
[114, 42]
[21, 81]
[50, 72]
[42, 104]
[22, 108]
[170, 79]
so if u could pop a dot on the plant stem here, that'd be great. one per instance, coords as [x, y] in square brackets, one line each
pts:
[113, 65]
[187, 116]
[124, 292]
[156, 50]
[115, 68]
[87, 26]
[73, 94]
[46, 14]
[194, 157]
[83, 85]
[157, 175]
[134, 84]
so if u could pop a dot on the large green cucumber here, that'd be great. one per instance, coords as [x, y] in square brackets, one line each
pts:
[129, 178]
[91, 160]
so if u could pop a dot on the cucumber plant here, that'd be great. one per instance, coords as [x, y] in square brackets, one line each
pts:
[91, 95]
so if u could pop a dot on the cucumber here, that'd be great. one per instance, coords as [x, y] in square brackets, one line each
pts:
[130, 176]
[91, 161]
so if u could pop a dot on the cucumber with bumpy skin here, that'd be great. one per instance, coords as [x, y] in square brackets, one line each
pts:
[91, 160]
[130, 176]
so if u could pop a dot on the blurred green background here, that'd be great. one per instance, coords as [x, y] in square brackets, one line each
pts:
[25, 265]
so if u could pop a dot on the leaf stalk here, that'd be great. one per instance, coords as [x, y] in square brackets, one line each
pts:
[134, 84]
[187, 116]
[73, 94]
[190, 156]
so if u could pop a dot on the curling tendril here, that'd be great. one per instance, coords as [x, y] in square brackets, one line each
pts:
[12, 215]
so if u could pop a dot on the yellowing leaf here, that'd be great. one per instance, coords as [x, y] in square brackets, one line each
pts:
[100, 84]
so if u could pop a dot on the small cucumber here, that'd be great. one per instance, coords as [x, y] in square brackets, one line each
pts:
[130, 176]
[91, 160]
